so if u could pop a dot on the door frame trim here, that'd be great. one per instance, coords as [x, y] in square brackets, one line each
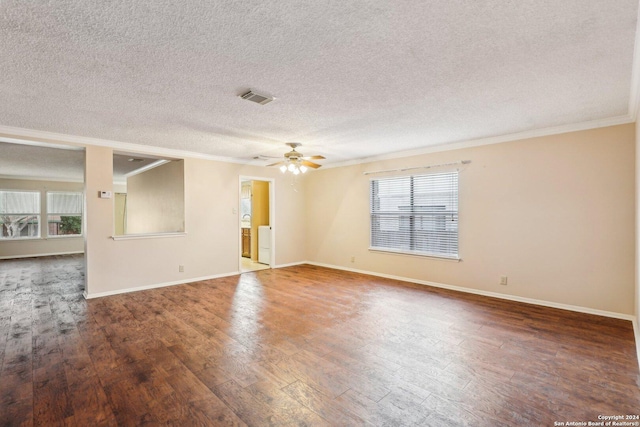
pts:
[272, 222]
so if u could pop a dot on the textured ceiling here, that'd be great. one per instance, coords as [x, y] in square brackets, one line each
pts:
[60, 163]
[352, 78]
[123, 165]
[38, 162]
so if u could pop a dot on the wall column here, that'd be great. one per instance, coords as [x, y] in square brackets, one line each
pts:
[98, 176]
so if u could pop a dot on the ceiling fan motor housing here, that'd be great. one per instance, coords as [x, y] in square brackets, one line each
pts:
[295, 161]
[293, 154]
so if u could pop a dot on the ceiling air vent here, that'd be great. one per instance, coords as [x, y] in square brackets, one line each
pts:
[260, 99]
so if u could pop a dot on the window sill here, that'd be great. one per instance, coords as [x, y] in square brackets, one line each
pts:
[453, 258]
[31, 239]
[148, 236]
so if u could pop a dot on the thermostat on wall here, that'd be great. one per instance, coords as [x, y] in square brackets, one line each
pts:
[104, 194]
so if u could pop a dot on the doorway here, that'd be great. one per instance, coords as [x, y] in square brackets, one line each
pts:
[255, 224]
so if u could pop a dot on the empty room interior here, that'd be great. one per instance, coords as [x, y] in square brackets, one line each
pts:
[319, 213]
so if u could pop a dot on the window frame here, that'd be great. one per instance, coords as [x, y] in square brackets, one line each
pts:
[38, 215]
[413, 214]
[47, 214]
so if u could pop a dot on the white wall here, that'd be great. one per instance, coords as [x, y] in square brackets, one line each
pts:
[211, 244]
[555, 214]
[44, 245]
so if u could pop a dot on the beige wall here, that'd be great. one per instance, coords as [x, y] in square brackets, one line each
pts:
[555, 214]
[210, 246]
[44, 245]
[155, 200]
[119, 206]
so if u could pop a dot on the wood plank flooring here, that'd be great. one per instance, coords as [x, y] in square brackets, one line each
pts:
[299, 346]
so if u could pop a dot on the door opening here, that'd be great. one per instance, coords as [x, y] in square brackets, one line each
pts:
[256, 226]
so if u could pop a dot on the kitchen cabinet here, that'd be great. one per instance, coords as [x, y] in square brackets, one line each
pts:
[246, 242]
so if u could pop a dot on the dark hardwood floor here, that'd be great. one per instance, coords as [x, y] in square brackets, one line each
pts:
[299, 346]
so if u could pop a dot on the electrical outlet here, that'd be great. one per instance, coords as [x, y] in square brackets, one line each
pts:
[503, 280]
[353, 259]
[181, 268]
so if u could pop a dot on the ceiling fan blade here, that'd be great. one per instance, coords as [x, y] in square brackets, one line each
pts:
[313, 157]
[276, 164]
[263, 157]
[310, 164]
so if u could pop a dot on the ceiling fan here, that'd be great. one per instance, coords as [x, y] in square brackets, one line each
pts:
[296, 162]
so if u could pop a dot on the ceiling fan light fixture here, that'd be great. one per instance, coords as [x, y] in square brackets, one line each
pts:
[296, 162]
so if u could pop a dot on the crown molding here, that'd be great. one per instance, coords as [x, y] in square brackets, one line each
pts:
[45, 138]
[534, 133]
[43, 178]
[40, 144]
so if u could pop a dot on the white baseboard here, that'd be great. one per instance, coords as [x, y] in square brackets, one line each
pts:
[156, 285]
[291, 264]
[177, 282]
[634, 320]
[39, 255]
[543, 303]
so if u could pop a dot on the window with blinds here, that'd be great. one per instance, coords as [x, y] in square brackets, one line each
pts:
[64, 213]
[19, 214]
[416, 214]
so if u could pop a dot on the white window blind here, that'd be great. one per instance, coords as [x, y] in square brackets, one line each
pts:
[416, 214]
[19, 214]
[19, 202]
[67, 203]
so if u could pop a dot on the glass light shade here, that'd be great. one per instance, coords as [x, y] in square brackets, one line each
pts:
[296, 171]
[283, 168]
[303, 168]
[291, 167]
